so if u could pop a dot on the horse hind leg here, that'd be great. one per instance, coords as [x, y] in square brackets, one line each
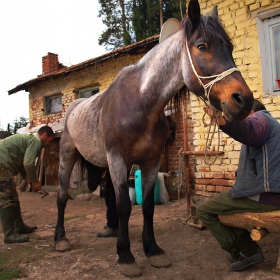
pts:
[68, 157]
[94, 174]
[155, 254]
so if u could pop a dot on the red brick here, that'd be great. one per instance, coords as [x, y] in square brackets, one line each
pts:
[220, 188]
[219, 175]
[204, 181]
[203, 168]
[211, 188]
[219, 182]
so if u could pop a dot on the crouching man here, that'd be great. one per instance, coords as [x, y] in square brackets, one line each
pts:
[17, 156]
[257, 185]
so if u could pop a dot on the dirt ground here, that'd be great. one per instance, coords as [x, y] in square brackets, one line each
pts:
[195, 254]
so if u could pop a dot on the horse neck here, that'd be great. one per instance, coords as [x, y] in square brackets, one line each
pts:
[161, 74]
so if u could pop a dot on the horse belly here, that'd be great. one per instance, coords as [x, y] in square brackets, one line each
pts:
[92, 151]
[83, 126]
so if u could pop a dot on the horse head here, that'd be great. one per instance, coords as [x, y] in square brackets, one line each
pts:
[209, 70]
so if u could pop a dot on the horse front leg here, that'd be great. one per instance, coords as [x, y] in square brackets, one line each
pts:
[68, 157]
[155, 254]
[126, 261]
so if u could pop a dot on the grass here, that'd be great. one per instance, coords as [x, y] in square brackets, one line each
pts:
[11, 259]
[69, 218]
[9, 273]
[78, 193]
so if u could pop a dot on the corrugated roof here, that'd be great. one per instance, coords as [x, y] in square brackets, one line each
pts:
[126, 49]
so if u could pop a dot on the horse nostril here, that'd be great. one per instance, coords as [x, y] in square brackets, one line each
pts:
[237, 99]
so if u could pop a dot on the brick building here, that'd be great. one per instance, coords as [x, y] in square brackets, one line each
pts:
[253, 25]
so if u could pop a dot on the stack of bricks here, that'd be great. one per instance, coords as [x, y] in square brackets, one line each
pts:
[50, 63]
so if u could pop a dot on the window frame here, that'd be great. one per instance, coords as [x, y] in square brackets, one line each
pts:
[47, 107]
[265, 21]
[94, 90]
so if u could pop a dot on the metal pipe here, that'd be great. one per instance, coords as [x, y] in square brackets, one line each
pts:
[186, 158]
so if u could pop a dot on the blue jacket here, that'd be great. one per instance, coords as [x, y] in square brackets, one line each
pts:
[259, 162]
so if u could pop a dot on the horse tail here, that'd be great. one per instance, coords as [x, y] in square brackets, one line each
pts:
[94, 173]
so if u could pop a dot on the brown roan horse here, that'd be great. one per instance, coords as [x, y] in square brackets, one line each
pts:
[125, 124]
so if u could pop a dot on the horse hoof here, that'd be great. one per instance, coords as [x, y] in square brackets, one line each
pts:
[160, 261]
[62, 245]
[130, 269]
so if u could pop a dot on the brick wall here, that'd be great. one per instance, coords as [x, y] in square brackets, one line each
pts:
[208, 179]
[100, 75]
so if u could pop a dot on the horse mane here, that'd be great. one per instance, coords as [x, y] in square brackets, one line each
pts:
[208, 26]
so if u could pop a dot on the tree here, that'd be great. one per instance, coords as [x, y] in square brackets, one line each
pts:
[22, 122]
[115, 15]
[129, 21]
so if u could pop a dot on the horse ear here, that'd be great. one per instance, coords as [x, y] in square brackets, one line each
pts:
[214, 13]
[194, 11]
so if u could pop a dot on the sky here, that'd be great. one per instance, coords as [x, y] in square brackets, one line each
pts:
[29, 29]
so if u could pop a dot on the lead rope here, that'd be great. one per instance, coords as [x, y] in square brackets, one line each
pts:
[207, 88]
[208, 139]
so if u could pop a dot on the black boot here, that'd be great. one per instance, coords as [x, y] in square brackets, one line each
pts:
[20, 226]
[233, 253]
[108, 232]
[245, 261]
[250, 252]
[7, 222]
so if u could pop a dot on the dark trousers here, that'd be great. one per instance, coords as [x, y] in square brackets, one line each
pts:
[110, 200]
[223, 204]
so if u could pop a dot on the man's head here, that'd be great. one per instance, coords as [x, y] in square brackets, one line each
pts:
[257, 106]
[46, 135]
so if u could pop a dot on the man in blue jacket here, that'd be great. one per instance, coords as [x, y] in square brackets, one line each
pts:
[257, 185]
[17, 156]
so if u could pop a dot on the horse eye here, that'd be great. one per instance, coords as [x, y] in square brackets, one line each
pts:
[202, 47]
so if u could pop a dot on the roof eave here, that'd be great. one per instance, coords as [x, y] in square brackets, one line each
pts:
[25, 86]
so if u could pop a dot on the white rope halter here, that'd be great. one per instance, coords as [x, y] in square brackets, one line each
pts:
[215, 77]
[207, 89]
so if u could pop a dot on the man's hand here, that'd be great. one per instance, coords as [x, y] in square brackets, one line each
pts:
[215, 115]
[36, 186]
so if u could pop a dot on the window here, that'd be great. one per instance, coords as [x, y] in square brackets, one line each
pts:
[53, 104]
[269, 35]
[88, 92]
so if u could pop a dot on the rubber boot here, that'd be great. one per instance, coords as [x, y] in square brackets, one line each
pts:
[20, 226]
[7, 222]
[108, 232]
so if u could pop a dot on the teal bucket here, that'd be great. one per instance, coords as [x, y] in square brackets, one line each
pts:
[138, 188]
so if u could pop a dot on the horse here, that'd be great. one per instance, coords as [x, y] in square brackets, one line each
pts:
[125, 124]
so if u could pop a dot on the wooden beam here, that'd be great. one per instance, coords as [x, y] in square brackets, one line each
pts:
[268, 220]
[258, 233]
